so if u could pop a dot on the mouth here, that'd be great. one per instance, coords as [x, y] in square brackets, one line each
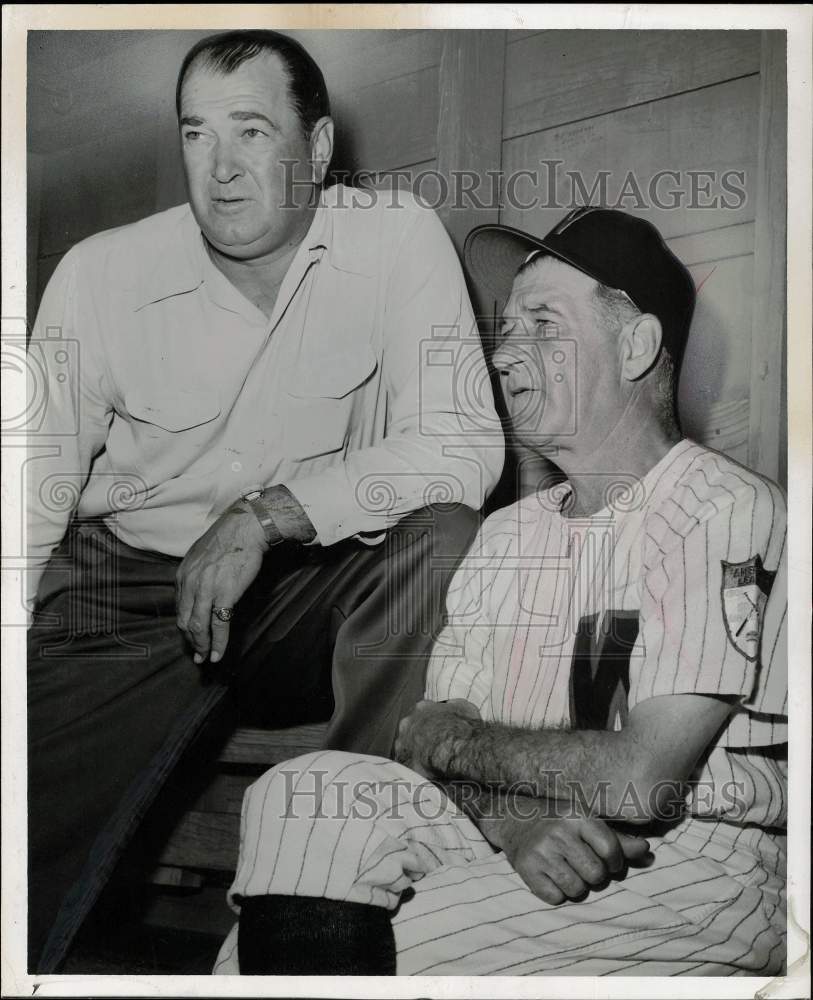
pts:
[512, 391]
[516, 383]
[229, 204]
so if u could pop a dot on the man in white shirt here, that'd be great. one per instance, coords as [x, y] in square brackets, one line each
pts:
[253, 415]
[605, 726]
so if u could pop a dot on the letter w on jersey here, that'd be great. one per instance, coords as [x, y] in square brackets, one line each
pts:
[600, 670]
[745, 589]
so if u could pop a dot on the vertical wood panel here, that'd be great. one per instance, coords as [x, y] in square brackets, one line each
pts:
[469, 139]
[768, 437]
[472, 73]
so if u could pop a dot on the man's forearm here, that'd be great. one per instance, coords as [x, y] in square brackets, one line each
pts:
[590, 769]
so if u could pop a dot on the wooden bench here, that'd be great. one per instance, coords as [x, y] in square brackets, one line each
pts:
[200, 856]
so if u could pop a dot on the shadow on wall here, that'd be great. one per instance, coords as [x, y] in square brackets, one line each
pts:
[715, 381]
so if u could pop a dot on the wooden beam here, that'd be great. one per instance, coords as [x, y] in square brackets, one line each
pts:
[469, 138]
[170, 876]
[767, 435]
[271, 746]
[205, 912]
[224, 793]
[203, 840]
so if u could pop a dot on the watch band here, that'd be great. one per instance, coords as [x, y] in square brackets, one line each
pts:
[254, 498]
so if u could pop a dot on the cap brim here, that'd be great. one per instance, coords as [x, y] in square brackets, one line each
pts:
[493, 254]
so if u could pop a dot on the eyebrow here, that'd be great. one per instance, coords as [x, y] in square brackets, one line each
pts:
[244, 116]
[543, 307]
[240, 116]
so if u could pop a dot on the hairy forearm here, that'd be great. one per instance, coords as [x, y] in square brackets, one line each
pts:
[601, 773]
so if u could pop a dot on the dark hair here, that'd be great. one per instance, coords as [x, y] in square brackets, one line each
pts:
[228, 51]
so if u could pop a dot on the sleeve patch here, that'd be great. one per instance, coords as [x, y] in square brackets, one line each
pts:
[744, 593]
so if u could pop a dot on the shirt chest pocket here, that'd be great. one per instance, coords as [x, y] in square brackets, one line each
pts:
[323, 403]
[170, 432]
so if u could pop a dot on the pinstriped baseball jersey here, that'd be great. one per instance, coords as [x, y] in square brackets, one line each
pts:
[677, 585]
[557, 621]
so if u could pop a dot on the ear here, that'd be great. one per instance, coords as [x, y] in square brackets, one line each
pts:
[321, 148]
[640, 345]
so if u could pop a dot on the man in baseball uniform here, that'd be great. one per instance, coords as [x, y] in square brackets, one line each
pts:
[596, 781]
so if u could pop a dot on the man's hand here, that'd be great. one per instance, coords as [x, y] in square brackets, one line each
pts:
[426, 738]
[215, 573]
[561, 859]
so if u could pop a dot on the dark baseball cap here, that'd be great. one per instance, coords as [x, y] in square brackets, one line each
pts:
[619, 250]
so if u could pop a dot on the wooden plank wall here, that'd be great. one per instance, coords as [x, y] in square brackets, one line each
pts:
[104, 152]
[679, 101]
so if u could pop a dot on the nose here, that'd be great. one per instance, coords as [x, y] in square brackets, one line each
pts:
[225, 166]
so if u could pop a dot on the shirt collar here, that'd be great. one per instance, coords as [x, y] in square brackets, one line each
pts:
[352, 227]
[631, 495]
[178, 267]
[337, 232]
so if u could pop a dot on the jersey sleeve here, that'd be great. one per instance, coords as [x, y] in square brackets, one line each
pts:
[713, 608]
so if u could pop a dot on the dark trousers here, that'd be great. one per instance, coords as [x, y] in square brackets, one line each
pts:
[115, 702]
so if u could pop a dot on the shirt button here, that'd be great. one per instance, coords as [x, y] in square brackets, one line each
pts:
[236, 467]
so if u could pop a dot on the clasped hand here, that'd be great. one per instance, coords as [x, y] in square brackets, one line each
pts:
[563, 858]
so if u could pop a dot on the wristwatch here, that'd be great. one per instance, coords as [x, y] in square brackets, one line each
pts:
[254, 498]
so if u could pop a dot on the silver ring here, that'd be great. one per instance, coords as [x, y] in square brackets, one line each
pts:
[223, 614]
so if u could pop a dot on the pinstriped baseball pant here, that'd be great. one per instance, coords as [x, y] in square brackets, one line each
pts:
[367, 830]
